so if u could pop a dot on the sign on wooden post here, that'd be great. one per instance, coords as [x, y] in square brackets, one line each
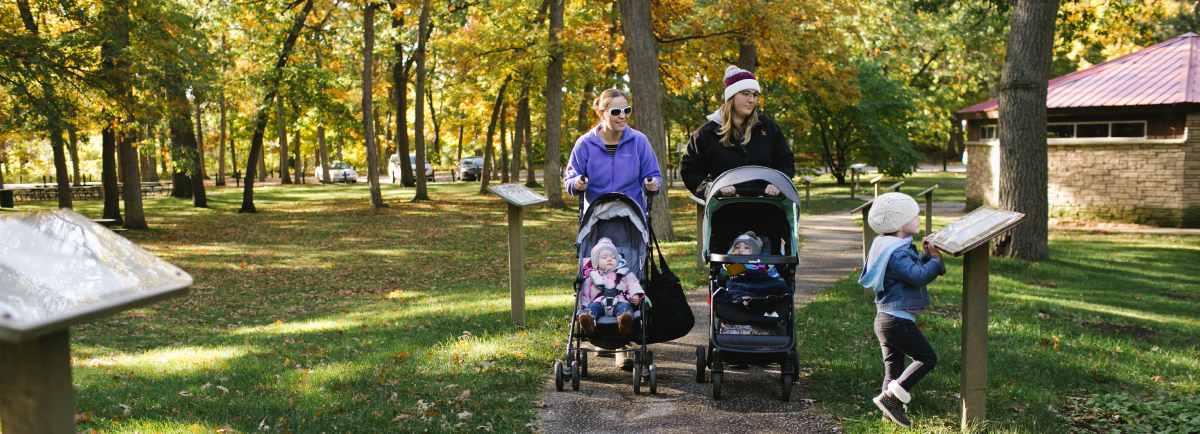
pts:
[518, 197]
[699, 232]
[875, 182]
[808, 180]
[928, 193]
[971, 236]
[895, 188]
[58, 269]
[855, 170]
[868, 237]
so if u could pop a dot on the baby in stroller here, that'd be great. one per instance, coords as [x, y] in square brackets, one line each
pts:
[610, 290]
[745, 283]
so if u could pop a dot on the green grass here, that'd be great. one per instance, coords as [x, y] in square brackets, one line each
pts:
[320, 312]
[1107, 314]
[951, 185]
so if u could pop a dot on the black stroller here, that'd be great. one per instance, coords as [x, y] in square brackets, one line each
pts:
[620, 219]
[746, 332]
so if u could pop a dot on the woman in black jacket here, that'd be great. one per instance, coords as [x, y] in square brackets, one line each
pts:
[735, 136]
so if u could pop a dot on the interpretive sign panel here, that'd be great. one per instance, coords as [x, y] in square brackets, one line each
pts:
[59, 268]
[517, 194]
[974, 229]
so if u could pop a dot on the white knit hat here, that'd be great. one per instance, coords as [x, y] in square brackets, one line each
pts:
[891, 211]
[737, 80]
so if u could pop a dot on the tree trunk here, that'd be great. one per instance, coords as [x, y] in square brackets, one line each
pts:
[581, 122]
[437, 127]
[108, 172]
[323, 154]
[460, 143]
[552, 167]
[503, 144]
[233, 161]
[162, 152]
[747, 55]
[1024, 166]
[220, 181]
[260, 119]
[367, 111]
[646, 87]
[341, 143]
[519, 129]
[297, 157]
[200, 139]
[187, 160]
[530, 173]
[485, 173]
[73, 147]
[131, 190]
[281, 125]
[400, 68]
[61, 173]
[423, 23]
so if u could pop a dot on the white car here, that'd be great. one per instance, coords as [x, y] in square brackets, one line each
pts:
[339, 172]
[394, 167]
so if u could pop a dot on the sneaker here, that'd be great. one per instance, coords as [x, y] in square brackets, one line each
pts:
[624, 323]
[892, 408]
[587, 323]
[622, 360]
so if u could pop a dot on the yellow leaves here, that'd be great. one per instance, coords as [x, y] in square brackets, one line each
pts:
[394, 294]
[278, 322]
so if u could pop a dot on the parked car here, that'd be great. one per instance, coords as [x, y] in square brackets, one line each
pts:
[339, 172]
[469, 168]
[394, 167]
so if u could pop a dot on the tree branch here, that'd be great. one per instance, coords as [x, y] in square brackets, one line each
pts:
[688, 38]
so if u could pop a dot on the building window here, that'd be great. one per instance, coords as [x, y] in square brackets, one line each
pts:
[987, 132]
[1096, 130]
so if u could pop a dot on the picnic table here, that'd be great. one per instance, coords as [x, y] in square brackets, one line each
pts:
[85, 192]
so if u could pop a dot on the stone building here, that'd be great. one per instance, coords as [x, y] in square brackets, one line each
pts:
[1123, 140]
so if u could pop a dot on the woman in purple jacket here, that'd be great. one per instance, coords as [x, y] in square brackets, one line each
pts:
[612, 157]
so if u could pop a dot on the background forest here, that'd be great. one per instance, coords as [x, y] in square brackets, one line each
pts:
[189, 89]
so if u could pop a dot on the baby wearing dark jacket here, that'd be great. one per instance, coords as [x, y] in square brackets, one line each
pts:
[898, 275]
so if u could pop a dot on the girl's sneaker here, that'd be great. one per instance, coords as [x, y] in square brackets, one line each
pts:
[892, 408]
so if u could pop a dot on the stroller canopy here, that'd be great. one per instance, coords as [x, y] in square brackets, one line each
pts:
[619, 218]
[754, 173]
[774, 218]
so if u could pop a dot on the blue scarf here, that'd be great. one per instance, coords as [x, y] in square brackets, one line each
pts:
[877, 260]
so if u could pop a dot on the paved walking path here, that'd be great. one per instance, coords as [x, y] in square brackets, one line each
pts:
[606, 403]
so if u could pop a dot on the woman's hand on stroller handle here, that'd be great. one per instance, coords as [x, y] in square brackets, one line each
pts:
[581, 183]
[651, 184]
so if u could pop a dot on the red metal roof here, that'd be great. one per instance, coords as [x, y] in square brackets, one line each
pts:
[1167, 73]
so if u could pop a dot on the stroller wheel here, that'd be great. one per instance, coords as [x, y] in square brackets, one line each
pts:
[637, 379]
[700, 350]
[558, 376]
[653, 380]
[716, 381]
[649, 359]
[785, 386]
[583, 356]
[575, 375]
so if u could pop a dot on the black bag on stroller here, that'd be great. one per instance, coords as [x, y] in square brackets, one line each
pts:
[671, 317]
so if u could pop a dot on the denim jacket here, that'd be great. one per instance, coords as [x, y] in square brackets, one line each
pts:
[904, 281]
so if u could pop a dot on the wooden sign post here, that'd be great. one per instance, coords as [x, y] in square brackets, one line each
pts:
[518, 197]
[63, 269]
[855, 170]
[868, 237]
[808, 180]
[928, 193]
[875, 182]
[971, 236]
[894, 188]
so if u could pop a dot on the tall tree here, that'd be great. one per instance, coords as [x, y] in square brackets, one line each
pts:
[503, 144]
[646, 86]
[485, 172]
[400, 73]
[118, 43]
[552, 166]
[422, 38]
[368, 126]
[260, 119]
[519, 129]
[1024, 164]
[221, 141]
[73, 147]
[53, 115]
[281, 125]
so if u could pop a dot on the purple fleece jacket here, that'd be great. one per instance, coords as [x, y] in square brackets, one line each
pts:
[623, 173]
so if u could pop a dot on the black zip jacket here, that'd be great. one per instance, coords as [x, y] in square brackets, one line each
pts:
[706, 158]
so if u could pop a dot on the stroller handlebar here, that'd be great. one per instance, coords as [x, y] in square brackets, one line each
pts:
[753, 259]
